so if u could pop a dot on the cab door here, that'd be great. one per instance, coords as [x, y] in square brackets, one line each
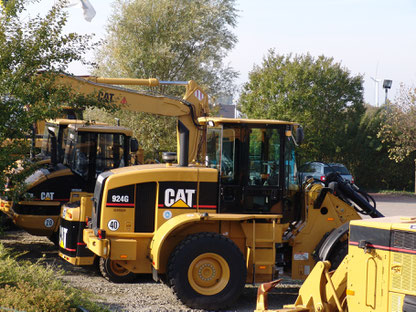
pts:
[250, 161]
[263, 180]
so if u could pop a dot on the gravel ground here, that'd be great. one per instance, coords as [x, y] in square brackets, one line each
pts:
[145, 295]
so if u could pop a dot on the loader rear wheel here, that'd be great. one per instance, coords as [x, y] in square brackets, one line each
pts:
[207, 271]
[114, 272]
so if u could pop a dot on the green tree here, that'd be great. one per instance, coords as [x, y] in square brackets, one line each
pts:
[399, 130]
[168, 40]
[27, 46]
[368, 157]
[316, 92]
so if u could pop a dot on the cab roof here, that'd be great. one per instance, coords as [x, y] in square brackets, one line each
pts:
[64, 121]
[101, 128]
[221, 120]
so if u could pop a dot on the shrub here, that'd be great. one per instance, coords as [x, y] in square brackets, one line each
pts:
[35, 287]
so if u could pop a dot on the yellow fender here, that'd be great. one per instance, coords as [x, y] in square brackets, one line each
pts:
[168, 227]
[165, 230]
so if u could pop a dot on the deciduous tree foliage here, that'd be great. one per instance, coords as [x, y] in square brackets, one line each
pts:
[368, 157]
[316, 92]
[29, 45]
[399, 130]
[169, 40]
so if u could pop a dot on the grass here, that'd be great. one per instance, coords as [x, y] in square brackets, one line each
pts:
[393, 192]
[33, 287]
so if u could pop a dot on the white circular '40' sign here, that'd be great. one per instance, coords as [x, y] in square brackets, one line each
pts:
[113, 225]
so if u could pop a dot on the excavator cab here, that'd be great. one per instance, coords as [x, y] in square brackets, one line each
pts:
[256, 161]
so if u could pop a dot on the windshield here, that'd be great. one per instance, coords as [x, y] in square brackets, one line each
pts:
[292, 182]
[336, 168]
[89, 152]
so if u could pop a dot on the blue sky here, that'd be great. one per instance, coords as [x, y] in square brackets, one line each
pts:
[366, 36]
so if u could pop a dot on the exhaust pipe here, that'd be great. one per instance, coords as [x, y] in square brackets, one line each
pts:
[54, 148]
[183, 144]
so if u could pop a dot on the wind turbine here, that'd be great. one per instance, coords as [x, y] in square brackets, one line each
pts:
[376, 81]
[376, 87]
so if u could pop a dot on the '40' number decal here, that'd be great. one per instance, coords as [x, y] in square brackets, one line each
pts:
[113, 225]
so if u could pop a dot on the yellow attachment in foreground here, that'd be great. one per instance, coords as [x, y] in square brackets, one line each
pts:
[208, 274]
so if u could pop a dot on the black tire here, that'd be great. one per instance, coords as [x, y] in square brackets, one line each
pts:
[338, 253]
[333, 246]
[54, 238]
[115, 273]
[207, 271]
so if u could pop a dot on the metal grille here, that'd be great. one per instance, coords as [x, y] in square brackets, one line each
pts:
[404, 240]
[405, 280]
[396, 303]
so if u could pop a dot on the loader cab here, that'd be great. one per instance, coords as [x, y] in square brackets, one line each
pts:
[91, 150]
[256, 164]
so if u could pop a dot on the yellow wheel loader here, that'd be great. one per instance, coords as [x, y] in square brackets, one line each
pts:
[207, 229]
[378, 274]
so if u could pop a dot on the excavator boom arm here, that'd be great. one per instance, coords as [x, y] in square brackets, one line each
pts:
[193, 105]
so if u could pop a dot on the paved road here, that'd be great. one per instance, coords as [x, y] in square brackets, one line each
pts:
[394, 205]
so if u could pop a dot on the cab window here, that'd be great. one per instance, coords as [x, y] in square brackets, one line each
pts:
[264, 157]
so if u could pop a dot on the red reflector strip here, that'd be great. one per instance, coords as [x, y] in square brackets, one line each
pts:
[81, 244]
[51, 200]
[69, 249]
[119, 205]
[410, 251]
[207, 206]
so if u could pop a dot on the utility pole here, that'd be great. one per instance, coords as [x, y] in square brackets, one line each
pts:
[387, 85]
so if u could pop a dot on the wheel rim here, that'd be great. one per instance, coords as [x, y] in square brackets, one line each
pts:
[208, 274]
[117, 269]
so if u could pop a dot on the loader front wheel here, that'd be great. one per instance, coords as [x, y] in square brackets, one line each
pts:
[114, 272]
[207, 271]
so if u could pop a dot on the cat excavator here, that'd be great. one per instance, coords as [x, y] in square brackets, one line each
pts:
[90, 150]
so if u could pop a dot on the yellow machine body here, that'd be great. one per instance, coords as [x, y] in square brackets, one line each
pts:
[192, 210]
[73, 219]
[376, 275]
[304, 238]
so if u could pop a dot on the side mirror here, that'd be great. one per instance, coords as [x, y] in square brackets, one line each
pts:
[134, 145]
[299, 135]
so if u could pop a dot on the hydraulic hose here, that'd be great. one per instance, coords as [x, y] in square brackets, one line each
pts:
[354, 194]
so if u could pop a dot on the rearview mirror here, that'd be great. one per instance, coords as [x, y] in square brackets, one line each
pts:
[134, 145]
[299, 135]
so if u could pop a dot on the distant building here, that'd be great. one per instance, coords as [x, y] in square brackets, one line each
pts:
[227, 108]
